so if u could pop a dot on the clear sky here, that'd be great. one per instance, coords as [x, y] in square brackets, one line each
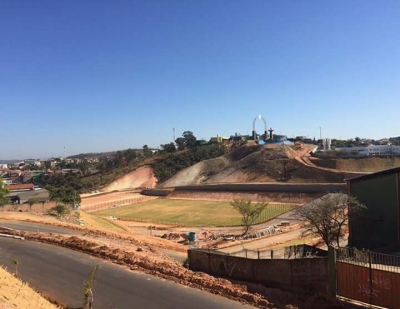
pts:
[96, 75]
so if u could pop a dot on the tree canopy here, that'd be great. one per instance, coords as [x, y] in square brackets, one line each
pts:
[4, 199]
[328, 216]
[187, 141]
[249, 212]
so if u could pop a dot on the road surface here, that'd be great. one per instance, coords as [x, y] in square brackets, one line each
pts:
[61, 272]
[37, 227]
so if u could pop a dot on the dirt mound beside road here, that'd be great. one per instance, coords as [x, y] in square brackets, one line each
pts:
[139, 178]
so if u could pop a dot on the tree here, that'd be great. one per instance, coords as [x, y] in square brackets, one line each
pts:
[60, 210]
[84, 167]
[249, 212]
[180, 142]
[31, 202]
[4, 199]
[190, 139]
[146, 151]
[66, 195]
[328, 216]
[169, 148]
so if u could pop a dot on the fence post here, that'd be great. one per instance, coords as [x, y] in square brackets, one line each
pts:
[272, 254]
[370, 278]
[332, 254]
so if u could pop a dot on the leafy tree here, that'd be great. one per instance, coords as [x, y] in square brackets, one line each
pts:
[249, 212]
[146, 151]
[169, 148]
[66, 195]
[190, 139]
[60, 210]
[4, 199]
[180, 142]
[187, 141]
[328, 216]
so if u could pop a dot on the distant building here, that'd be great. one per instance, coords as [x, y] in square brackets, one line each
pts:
[32, 162]
[20, 187]
[219, 139]
[371, 150]
[70, 170]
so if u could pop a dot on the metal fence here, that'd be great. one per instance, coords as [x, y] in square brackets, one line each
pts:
[369, 277]
[290, 252]
[118, 202]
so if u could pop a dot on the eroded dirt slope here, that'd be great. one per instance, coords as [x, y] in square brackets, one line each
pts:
[139, 178]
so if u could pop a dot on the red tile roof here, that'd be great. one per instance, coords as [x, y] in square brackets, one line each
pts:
[28, 186]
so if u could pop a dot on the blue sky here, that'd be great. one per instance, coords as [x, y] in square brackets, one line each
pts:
[98, 76]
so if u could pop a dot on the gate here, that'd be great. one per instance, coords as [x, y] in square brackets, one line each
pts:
[369, 277]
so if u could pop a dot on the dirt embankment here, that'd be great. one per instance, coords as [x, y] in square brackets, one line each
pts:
[143, 177]
[15, 294]
[370, 164]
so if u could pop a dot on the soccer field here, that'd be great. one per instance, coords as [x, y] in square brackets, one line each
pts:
[189, 213]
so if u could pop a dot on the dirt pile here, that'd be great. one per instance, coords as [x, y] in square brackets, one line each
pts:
[142, 177]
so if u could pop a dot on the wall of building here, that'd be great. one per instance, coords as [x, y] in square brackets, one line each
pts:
[307, 275]
[377, 227]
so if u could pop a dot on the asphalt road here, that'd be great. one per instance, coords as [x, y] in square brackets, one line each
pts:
[36, 227]
[60, 272]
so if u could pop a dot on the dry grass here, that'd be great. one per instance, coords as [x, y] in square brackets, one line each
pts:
[15, 294]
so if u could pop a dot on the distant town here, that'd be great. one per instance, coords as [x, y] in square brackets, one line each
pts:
[27, 171]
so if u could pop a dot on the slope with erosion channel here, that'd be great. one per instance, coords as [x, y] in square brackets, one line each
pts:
[139, 178]
[254, 163]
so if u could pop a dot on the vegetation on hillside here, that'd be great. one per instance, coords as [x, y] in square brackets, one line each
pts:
[3, 195]
[168, 165]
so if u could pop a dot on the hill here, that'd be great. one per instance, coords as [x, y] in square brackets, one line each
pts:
[251, 163]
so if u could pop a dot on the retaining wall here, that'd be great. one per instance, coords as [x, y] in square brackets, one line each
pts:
[306, 275]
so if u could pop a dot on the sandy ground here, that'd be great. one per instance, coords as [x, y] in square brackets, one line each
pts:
[15, 294]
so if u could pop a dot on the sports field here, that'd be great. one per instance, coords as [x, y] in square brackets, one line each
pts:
[188, 213]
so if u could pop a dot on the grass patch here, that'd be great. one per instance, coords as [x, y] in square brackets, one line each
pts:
[188, 213]
[106, 224]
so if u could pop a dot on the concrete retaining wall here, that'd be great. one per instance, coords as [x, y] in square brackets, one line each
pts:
[307, 275]
[270, 187]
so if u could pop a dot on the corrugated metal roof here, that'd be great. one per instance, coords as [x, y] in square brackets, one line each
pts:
[374, 175]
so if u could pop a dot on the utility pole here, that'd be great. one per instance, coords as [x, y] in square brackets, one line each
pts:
[173, 132]
[320, 133]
